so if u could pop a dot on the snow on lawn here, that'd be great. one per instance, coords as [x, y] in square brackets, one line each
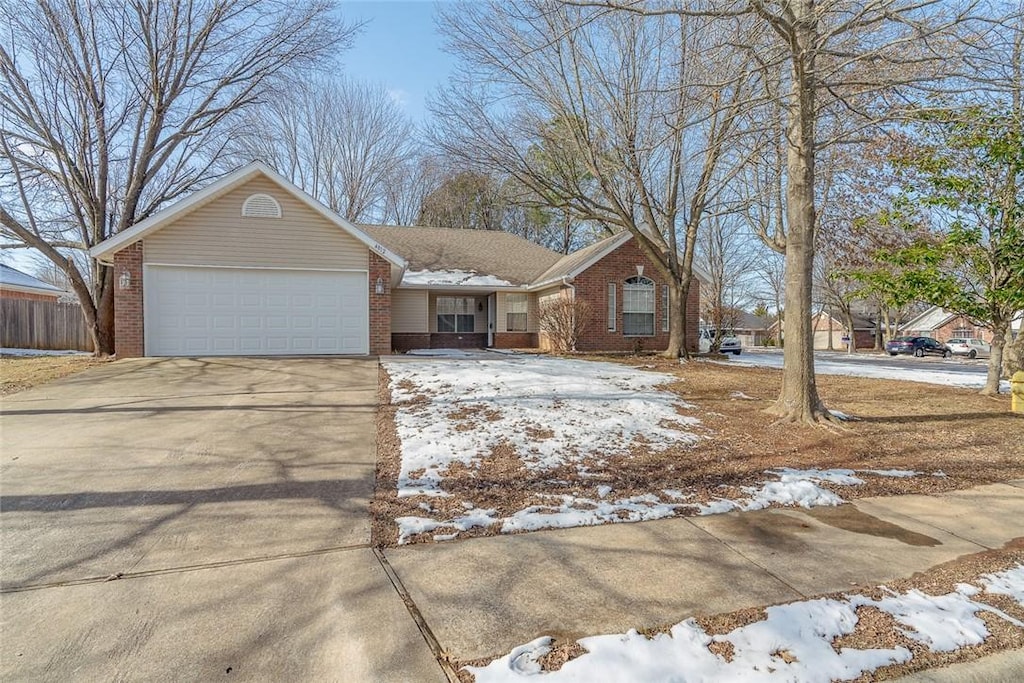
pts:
[551, 411]
[41, 352]
[794, 642]
[861, 366]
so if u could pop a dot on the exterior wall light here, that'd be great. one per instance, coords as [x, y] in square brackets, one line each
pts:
[379, 286]
[124, 280]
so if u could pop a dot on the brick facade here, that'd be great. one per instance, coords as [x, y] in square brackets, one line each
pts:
[955, 328]
[592, 286]
[515, 340]
[380, 306]
[31, 296]
[128, 314]
[407, 341]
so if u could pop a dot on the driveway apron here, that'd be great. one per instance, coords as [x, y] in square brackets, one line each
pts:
[190, 518]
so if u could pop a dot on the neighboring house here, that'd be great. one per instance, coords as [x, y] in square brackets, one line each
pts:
[941, 324]
[751, 330]
[252, 265]
[826, 325]
[15, 284]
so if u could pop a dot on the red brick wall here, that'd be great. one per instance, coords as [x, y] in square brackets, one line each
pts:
[949, 330]
[128, 313]
[592, 286]
[515, 340]
[407, 341]
[380, 306]
[15, 294]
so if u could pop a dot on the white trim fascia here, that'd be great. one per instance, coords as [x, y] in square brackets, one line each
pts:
[222, 186]
[614, 243]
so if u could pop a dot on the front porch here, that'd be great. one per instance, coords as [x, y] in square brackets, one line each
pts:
[460, 319]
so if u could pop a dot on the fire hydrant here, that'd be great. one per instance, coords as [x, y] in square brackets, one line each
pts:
[1017, 392]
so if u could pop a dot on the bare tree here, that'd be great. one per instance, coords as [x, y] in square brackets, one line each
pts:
[726, 252]
[408, 186]
[110, 110]
[827, 67]
[633, 117]
[342, 141]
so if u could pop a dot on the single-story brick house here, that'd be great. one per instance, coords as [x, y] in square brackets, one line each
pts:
[938, 323]
[15, 284]
[252, 265]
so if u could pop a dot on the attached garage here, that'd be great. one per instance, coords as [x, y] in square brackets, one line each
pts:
[251, 265]
[196, 311]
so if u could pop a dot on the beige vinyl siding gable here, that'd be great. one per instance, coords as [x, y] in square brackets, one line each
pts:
[410, 311]
[216, 234]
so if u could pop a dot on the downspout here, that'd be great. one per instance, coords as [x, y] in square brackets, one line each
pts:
[567, 282]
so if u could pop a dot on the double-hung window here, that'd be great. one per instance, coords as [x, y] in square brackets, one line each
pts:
[455, 314]
[515, 313]
[638, 307]
[665, 312]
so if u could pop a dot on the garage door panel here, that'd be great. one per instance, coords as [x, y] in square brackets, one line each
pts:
[197, 311]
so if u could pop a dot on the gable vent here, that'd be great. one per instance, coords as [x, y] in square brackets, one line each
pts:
[261, 206]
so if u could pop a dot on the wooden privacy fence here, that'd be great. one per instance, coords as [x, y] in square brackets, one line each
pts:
[28, 324]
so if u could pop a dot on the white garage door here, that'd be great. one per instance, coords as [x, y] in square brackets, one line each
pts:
[241, 311]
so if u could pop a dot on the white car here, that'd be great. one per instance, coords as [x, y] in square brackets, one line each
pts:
[730, 344]
[972, 348]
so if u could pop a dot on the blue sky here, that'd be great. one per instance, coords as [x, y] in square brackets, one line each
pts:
[398, 48]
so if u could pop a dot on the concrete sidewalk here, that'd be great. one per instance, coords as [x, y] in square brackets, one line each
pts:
[482, 597]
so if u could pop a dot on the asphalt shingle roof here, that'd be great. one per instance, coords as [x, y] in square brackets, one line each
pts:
[16, 278]
[492, 252]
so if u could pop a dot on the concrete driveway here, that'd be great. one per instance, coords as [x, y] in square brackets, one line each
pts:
[183, 519]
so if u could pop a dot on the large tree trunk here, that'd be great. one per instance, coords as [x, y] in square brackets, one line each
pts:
[1013, 352]
[678, 293]
[851, 347]
[798, 401]
[995, 361]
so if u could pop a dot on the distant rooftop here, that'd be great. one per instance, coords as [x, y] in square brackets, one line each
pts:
[15, 278]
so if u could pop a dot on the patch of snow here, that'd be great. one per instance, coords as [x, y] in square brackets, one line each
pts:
[474, 517]
[794, 642]
[840, 415]
[579, 409]
[804, 631]
[939, 473]
[42, 352]
[1009, 582]
[603, 491]
[942, 622]
[927, 373]
[452, 277]
[440, 353]
[741, 396]
[901, 474]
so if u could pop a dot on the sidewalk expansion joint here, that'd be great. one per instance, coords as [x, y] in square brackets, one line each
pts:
[182, 569]
[753, 562]
[417, 617]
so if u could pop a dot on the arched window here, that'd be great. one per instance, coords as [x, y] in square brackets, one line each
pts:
[261, 206]
[638, 307]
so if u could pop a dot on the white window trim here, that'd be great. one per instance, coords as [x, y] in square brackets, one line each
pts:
[524, 302]
[438, 314]
[665, 312]
[648, 285]
[611, 307]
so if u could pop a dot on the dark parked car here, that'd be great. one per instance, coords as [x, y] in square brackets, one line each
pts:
[919, 346]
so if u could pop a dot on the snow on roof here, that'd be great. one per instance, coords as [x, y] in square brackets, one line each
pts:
[459, 278]
[16, 278]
